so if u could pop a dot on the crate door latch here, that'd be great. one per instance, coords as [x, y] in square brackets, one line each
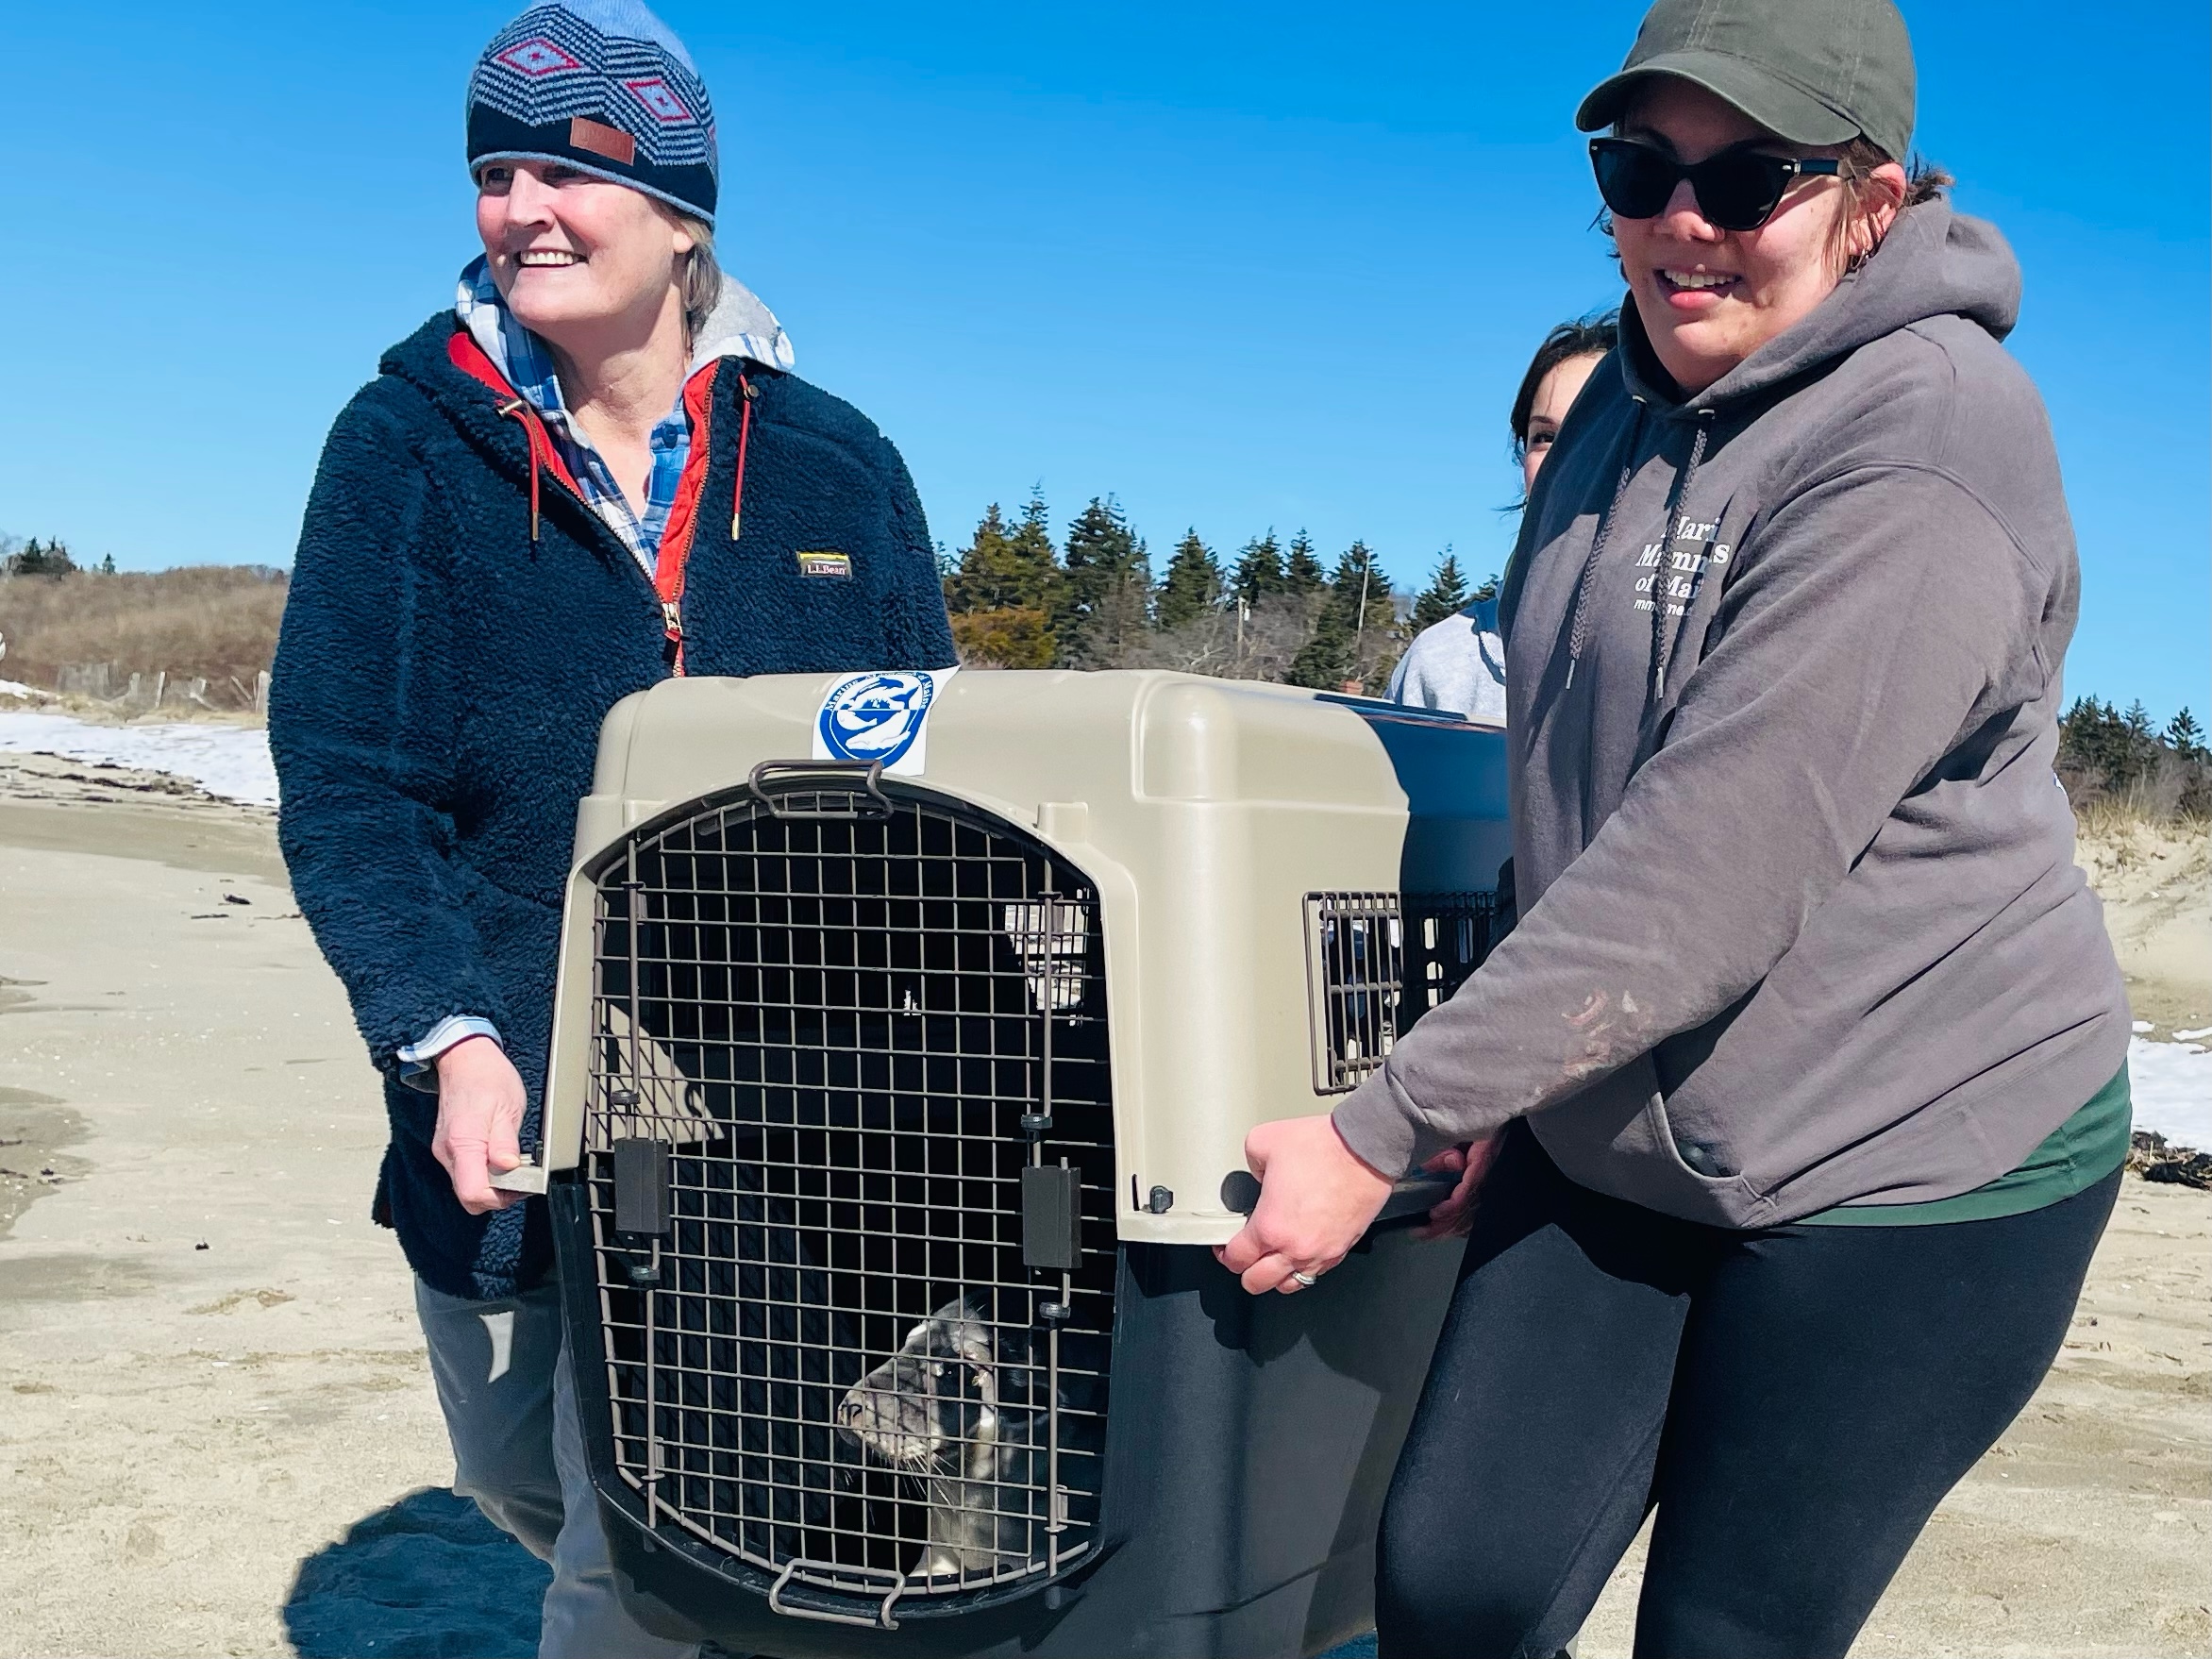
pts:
[641, 1187]
[1051, 1220]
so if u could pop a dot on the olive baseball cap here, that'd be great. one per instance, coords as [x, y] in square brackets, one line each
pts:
[1815, 71]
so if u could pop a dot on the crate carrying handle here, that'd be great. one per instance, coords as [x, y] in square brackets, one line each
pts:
[882, 1620]
[1408, 1205]
[802, 789]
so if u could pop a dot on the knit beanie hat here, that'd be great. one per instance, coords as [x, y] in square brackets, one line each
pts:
[602, 86]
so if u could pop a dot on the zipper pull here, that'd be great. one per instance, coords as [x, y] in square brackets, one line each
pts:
[744, 432]
[672, 617]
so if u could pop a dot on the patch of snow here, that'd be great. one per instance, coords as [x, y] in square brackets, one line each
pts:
[15, 688]
[2143, 1028]
[2172, 1084]
[2195, 1036]
[232, 761]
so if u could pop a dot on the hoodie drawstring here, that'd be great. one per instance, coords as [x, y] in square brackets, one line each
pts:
[1662, 635]
[520, 409]
[1580, 632]
[675, 550]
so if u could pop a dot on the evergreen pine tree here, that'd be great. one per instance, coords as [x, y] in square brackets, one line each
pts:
[1033, 552]
[983, 572]
[1359, 587]
[1492, 586]
[1445, 595]
[2140, 739]
[1325, 661]
[1302, 573]
[107, 568]
[2106, 749]
[1191, 586]
[1354, 626]
[2080, 733]
[1005, 567]
[2188, 740]
[1259, 570]
[2086, 742]
[1002, 590]
[1106, 588]
[50, 560]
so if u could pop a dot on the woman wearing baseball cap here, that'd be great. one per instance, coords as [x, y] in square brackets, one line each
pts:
[593, 470]
[1797, 1097]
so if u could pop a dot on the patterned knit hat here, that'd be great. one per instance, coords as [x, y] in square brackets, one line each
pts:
[602, 86]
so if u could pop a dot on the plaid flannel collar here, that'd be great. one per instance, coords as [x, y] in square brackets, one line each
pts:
[524, 359]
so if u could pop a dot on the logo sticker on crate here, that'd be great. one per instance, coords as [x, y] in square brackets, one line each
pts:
[881, 716]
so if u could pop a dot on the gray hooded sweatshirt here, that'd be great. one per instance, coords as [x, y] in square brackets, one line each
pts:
[1801, 924]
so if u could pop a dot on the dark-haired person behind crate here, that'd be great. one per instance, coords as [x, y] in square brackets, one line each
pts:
[595, 470]
[1801, 1082]
[1458, 664]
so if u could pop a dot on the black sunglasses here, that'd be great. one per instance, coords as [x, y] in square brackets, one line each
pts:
[1736, 189]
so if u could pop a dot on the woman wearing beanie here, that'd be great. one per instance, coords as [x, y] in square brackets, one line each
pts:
[594, 471]
[1797, 1098]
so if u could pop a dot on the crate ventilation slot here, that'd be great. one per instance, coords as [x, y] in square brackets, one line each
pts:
[1376, 963]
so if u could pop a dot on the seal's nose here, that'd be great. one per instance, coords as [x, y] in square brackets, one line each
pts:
[849, 1409]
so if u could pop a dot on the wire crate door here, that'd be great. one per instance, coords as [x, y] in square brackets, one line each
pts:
[867, 1350]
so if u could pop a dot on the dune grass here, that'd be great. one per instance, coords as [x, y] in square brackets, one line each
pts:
[216, 623]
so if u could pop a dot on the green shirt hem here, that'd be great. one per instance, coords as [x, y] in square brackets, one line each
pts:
[2075, 1156]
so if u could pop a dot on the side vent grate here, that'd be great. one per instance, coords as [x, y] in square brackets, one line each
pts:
[1376, 963]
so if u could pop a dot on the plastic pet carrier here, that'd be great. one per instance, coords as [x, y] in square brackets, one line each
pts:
[910, 1026]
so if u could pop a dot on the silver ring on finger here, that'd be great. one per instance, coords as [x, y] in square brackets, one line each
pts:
[1307, 1280]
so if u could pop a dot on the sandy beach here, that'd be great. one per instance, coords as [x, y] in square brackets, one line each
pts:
[209, 1358]
[216, 1406]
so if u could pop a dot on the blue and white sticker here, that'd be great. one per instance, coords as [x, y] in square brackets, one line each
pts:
[881, 716]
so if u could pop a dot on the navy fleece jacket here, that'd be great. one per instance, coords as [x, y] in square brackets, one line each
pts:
[439, 683]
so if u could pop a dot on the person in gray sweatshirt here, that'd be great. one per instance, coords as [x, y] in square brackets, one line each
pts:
[1791, 1113]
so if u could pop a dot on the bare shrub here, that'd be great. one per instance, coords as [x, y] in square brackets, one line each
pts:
[213, 622]
[1262, 647]
[1116, 628]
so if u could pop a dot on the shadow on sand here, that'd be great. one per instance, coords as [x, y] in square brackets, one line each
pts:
[429, 1578]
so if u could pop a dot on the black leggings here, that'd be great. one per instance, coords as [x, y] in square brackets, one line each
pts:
[1794, 1402]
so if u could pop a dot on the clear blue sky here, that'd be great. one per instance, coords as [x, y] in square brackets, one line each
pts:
[1241, 265]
